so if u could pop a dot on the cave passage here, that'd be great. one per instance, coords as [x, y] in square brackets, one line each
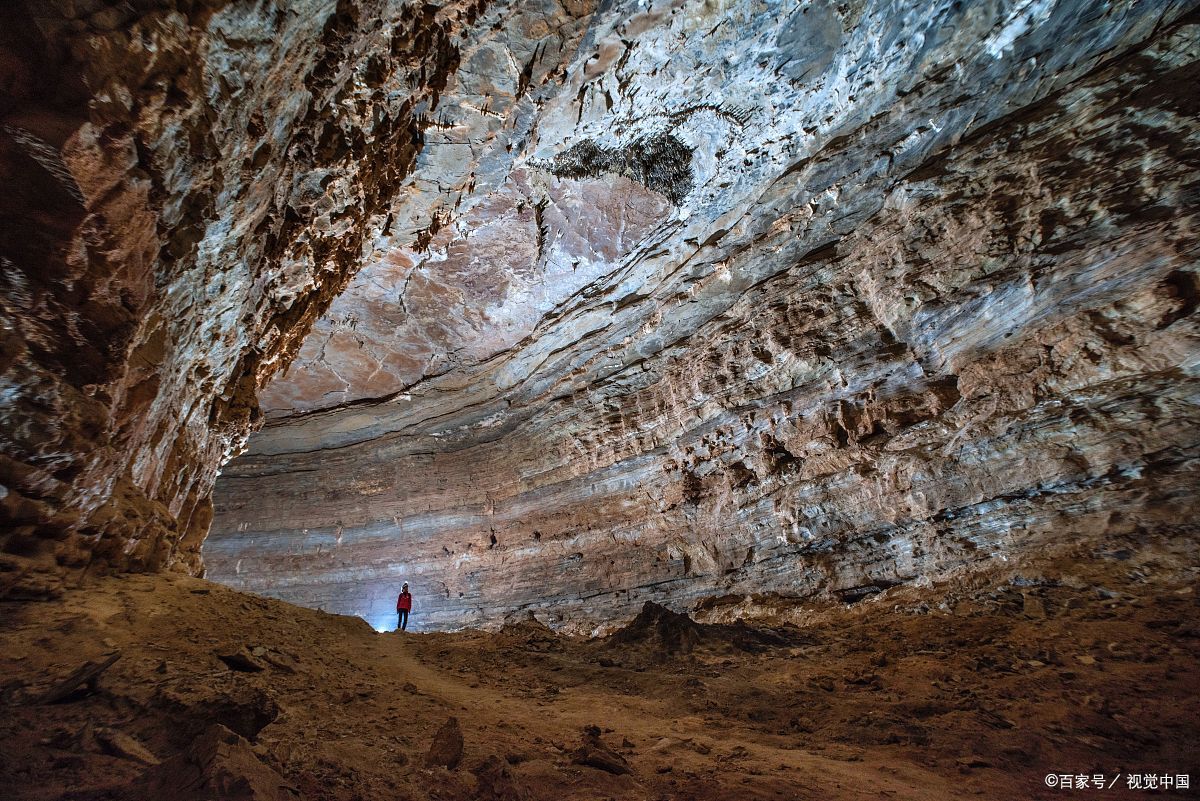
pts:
[762, 400]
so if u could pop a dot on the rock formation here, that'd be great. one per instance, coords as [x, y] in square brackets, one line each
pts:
[717, 301]
[839, 358]
[190, 185]
[609, 303]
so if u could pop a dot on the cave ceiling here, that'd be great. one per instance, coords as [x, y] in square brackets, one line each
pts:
[565, 306]
[691, 298]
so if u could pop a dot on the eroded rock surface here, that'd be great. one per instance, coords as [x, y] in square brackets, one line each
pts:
[189, 184]
[855, 344]
[610, 303]
[729, 299]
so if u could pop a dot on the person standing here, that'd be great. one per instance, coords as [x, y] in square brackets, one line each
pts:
[403, 607]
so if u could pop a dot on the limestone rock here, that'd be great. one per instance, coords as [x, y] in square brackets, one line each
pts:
[244, 709]
[660, 628]
[120, 744]
[595, 754]
[446, 748]
[191, 184]
[496, 781]
[219, 765]
[609, 302]
[921, 293]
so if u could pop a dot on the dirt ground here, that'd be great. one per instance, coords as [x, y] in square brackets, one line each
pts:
[1082, 662]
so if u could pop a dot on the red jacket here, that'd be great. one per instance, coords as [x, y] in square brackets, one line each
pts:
[404, 602]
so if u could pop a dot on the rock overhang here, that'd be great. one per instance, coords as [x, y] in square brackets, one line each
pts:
[673, 298]
[772, 335]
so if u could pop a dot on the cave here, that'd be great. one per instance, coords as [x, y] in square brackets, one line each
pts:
[762, 400]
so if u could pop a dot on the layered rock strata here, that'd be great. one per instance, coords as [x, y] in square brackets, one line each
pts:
[805, 300]
[189, 184]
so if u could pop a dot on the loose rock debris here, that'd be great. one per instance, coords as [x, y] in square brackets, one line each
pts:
[960, 689]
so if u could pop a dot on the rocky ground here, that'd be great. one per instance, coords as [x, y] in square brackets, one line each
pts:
[1084, 660]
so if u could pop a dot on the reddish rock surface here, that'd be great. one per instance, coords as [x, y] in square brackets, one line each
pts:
[191, 184]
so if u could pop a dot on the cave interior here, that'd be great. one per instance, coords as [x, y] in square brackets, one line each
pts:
[762, 399]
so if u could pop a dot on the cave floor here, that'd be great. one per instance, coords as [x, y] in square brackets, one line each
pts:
[1083, 661]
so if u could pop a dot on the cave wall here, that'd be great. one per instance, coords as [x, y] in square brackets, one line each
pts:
[744, 299]
[188, 185]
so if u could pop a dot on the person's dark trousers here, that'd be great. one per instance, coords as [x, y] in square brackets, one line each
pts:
[402, 623]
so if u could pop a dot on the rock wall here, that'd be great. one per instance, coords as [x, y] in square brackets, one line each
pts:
[738, 298]
[189, 184]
